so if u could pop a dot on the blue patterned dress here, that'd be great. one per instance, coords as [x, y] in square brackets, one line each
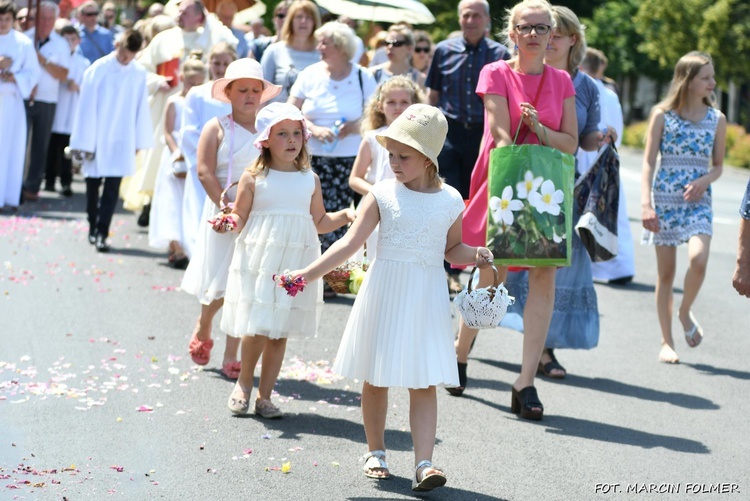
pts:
[686, 149]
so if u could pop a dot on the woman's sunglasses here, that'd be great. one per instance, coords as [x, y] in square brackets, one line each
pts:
[395, 43]
[423, 50]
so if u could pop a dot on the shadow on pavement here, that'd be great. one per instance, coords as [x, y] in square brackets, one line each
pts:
[291, 426]
[718, 371]
[591, 430]
[402, 487]
[136, 252]
[620, 388]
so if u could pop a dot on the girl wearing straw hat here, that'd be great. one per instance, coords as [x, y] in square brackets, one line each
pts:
[225, 148]
[399, 331]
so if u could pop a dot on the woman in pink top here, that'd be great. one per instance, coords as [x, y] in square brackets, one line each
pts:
[521, 89]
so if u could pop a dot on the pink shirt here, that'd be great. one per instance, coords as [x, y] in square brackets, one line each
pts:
[498, 78]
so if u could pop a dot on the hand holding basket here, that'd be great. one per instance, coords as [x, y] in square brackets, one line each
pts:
[483, 308]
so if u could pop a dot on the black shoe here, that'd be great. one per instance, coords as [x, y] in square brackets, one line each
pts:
[49, 187]
[457, 391]
[622, 280]
[67, 192]
[179, 263]
[92, 238]
[143, 219]
[101, 244]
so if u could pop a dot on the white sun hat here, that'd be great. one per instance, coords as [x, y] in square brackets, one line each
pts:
[421, 126]
[274, 113]
[244, 68]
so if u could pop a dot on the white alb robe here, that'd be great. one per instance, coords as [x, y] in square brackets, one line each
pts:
[199, 108]
[113, 119]
[67, 100]
[26, 71]
[622, 265]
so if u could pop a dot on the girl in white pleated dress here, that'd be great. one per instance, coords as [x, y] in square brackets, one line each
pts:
[399, 332]
[225, 148]
[279, 213]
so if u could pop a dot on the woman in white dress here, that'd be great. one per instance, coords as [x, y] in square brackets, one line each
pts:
[19, 73]
[399, 332]
[225, 149]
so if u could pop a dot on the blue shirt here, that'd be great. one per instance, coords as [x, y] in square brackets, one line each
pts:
[96, 44]
[241, 42]
[745, 207]
[454, 73]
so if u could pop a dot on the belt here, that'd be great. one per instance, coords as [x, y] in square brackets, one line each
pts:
[455, 123]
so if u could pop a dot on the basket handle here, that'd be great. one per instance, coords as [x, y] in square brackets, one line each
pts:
[496, 282]
[225, 208]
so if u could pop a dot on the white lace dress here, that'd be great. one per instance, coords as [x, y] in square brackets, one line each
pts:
[206, 275]
[399, 332]
[279, 235]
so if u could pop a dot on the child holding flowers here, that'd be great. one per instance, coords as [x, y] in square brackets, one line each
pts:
[399, 331]
[225, 148]
[278, 212]
[371, 166]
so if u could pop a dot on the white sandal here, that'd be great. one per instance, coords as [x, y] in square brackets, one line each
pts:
[375, 459]
[428, 482]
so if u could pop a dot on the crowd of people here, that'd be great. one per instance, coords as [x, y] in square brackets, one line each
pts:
[246, 153]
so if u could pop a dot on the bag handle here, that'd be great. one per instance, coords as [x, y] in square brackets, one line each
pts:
[533, 103]
[495, 283]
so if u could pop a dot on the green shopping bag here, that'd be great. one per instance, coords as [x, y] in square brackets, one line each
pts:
[530, 191]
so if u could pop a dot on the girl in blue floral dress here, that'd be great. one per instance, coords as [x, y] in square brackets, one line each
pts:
[690, 134]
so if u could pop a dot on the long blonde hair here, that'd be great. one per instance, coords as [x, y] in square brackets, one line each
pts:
[374, 117]
[685, 70]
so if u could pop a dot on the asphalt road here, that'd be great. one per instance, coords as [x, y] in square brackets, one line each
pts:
[99, 398]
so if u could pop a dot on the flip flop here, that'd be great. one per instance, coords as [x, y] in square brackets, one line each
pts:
[690, 338]
[231, 370]
[200, 351]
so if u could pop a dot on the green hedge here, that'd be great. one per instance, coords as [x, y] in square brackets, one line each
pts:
[738, 142]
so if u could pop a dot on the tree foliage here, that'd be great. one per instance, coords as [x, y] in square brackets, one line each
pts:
[725, 34]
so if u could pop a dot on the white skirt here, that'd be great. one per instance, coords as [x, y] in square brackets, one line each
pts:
[399, 332]
[206, 275]
[254, 305]
[165, 222]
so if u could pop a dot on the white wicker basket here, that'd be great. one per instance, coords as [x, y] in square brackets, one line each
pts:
[483, 308]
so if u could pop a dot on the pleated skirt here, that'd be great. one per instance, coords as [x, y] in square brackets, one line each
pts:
[399, 332]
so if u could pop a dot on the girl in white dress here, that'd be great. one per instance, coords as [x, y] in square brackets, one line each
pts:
[372, 165]
[225, 148]
[165, 228]
[279, 213]
[399, 331]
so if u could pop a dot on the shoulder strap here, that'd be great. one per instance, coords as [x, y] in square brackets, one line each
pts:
[361, 87]
[533, 103]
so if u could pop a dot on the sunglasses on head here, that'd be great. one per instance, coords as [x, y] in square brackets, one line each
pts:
[395, 43]
[424, 50]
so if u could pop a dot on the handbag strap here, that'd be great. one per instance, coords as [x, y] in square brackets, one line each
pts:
[495, 283]
[533, 103]
[231, 151]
